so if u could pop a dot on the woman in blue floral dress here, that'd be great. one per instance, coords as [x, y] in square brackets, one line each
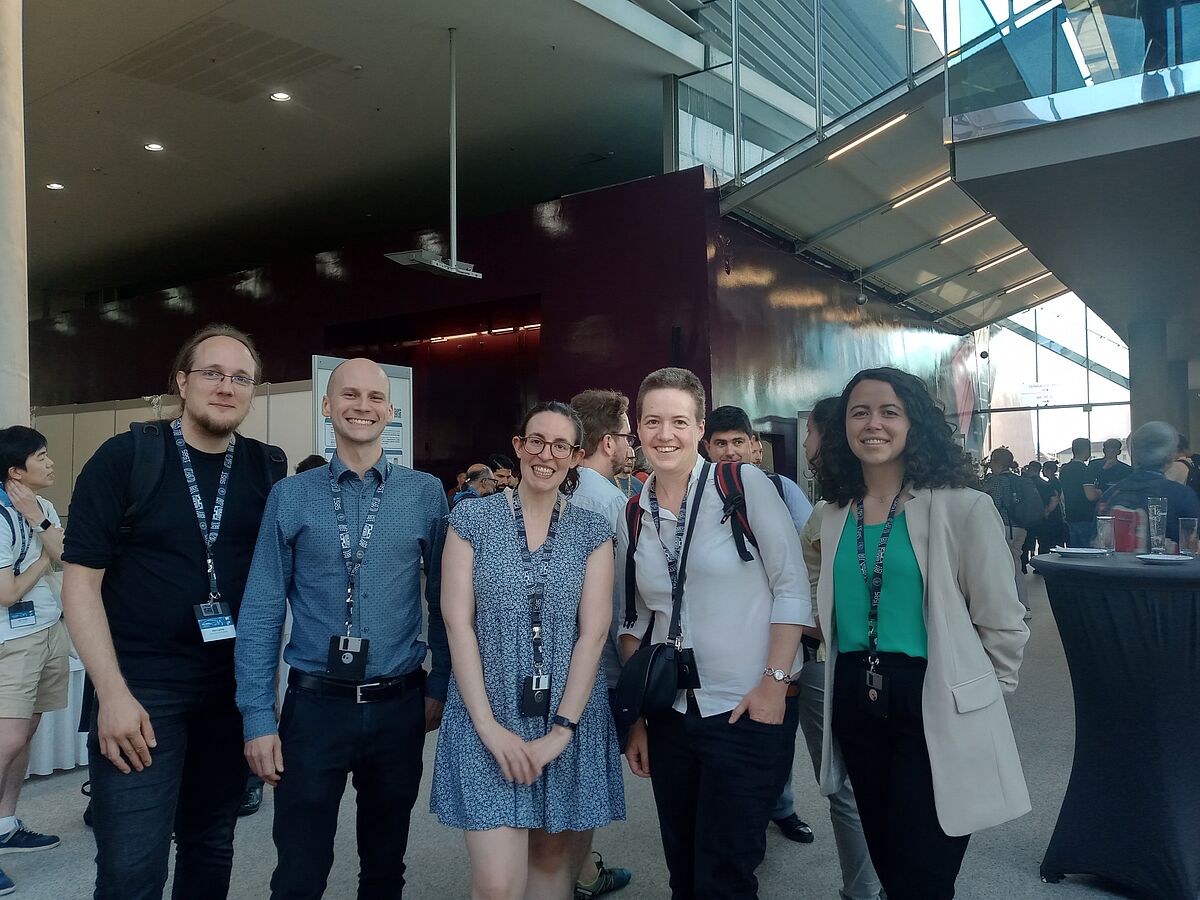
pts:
[527, 753]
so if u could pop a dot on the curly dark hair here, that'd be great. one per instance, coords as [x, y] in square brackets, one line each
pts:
[571, 482]
[932, 458]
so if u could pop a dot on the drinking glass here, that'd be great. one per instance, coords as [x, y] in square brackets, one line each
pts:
[1189, 535]
[1106, 536]
[1156, 510]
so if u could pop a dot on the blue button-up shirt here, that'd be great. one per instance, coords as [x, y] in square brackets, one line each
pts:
[298, 559]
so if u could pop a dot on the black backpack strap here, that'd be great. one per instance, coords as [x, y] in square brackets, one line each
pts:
[777, 480]
[733, 506]
[149, 457]
[12, 529]
[272, 462]
[633, 528]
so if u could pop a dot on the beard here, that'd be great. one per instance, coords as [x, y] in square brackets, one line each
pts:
[207, 423]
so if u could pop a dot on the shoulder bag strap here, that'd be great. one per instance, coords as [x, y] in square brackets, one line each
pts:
[677, 599]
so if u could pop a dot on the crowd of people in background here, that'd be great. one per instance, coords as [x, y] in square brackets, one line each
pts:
[630, 581]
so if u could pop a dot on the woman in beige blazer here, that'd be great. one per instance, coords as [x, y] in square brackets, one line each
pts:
[914, 712]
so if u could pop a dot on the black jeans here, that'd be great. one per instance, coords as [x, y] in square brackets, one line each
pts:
[714, 786]
[888, 763]
[193, 788]
[324, 739]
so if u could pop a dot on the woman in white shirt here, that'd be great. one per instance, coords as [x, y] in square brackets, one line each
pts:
[716, 759]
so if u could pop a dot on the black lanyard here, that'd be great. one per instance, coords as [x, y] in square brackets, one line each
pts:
[680, 530]
[875, 580]
[207, 532]
[354, 561]
[535, 575]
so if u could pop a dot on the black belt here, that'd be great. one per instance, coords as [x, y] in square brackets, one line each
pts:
[366, 692]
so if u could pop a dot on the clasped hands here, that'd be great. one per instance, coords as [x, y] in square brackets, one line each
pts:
[522, 761]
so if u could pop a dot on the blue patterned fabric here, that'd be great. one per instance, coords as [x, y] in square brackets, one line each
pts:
[582, 788]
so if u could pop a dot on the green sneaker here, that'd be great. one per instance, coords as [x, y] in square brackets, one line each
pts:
[607, 880]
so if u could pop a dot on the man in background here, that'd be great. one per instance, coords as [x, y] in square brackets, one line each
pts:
[481, 482]
[1079, 493]
[1108, 470]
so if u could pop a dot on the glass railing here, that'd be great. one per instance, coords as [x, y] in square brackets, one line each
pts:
[1008, 51]
[797, 57]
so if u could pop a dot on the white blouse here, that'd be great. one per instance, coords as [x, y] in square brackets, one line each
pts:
[728, 605]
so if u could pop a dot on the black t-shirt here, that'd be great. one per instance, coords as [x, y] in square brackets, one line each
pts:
[1055, 488]
[1106, 478]
[157, 573]
[1072, 477]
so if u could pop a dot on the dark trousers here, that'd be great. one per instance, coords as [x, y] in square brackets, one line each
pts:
[193, 788]
[714, 786]
[324, 739]
[888, 764]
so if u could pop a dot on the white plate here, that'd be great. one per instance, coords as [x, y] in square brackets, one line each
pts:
[1163, 559]
[1080, 552]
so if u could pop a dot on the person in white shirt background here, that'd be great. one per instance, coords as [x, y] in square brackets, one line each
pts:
[34, 647]
[716, 759]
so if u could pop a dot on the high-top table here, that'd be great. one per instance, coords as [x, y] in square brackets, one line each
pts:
[1131, 634]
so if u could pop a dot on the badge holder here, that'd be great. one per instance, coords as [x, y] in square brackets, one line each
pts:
[215, 618]
[535, 689]
[21, 614]
[347, 659]
[873, 698]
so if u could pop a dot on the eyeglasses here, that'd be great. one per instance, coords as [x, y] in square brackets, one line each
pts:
[630, 438]
[532, 444]
[212, 376]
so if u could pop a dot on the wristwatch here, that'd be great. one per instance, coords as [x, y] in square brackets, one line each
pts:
[775, 674]
[45, 525]
[565, 723]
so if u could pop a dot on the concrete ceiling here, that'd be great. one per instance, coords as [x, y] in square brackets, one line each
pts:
[555, 96]
[1110, 203]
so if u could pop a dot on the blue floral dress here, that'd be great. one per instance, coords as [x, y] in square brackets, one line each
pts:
[583, 787]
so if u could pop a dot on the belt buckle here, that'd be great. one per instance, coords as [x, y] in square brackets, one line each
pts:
[358, 691]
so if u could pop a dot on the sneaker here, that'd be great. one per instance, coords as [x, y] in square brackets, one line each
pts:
[795, 829]
[86, 790]
[1028, 614]
[6, 884]
[25, 841]
[251, 801]
[607, 880]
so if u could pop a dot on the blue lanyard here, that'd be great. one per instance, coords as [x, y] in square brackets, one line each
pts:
[26, 539]
[875, 579]
[208, 532]
[535, 575]
[680, 529]
[354, 560]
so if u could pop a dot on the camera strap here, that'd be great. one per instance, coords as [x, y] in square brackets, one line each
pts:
[677, 563]
[353, 559]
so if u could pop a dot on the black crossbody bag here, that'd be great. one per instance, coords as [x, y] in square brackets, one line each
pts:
[650, 678]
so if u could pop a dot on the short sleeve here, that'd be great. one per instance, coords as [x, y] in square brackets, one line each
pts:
[594, 528]
[467, 521]
[98, 504]
[8, 546]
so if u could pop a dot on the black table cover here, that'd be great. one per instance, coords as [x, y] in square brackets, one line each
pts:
[1131, 633]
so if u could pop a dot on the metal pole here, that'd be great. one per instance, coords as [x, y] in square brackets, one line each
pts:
[817, 98]
[453, 156]
[908, 47]
[736, 51]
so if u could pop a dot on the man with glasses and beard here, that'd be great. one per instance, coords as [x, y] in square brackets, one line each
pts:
[159, 540]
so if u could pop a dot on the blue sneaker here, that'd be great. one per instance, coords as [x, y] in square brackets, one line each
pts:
[6, 884]
[25, 841]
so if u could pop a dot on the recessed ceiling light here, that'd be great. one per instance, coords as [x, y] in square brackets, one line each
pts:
[154, 147]
[55, 186]
[281, 96]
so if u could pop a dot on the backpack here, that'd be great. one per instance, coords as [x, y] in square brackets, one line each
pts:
[1020, 500]
[149, 463]
[728, 479]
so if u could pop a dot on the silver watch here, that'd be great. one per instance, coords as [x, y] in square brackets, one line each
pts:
[776, 674]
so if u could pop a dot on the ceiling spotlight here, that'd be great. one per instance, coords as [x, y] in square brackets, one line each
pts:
[155, 147]
[281, 96]
[55, 186]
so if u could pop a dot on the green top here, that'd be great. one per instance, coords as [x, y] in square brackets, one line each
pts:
[901, 602]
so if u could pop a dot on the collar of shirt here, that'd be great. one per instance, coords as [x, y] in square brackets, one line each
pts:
[644, 496]
[340, 469]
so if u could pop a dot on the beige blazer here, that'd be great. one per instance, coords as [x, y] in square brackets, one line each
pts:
[976, 636]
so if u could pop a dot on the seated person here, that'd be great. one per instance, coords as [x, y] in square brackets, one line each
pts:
[1153, 448]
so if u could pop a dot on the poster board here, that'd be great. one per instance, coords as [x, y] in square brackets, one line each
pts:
[397, 434]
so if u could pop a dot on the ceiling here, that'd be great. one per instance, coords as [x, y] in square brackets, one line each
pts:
[555, 96]
[926, 254]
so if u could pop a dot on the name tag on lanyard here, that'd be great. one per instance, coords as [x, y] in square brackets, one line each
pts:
[535, 688]
[215, 619]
